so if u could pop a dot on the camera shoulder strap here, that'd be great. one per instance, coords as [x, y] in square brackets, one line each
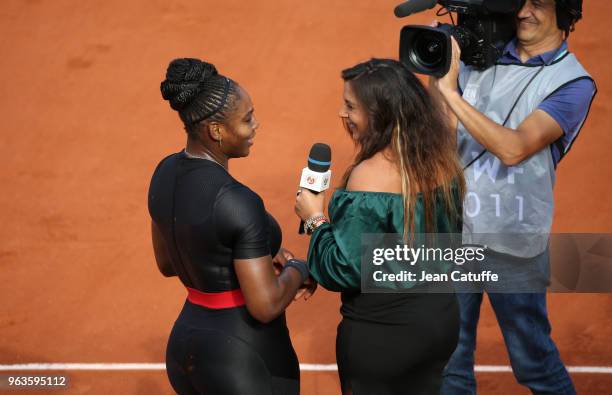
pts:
[484, 151]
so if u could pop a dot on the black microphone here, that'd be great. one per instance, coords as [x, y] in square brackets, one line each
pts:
[316, 176]
[412, 6]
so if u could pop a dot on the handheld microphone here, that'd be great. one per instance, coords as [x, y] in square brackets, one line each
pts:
[316, 176]
[412, 6]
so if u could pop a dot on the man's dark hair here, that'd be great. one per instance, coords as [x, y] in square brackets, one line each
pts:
[568, 13]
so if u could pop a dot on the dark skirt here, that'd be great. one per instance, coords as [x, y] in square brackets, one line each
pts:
[401, 358]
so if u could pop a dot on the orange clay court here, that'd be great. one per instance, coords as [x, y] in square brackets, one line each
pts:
[83, 126]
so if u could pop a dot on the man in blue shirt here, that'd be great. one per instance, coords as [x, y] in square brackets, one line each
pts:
[568, 106]
[515, 121]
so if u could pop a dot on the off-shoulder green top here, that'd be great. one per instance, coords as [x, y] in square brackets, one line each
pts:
[334, 252]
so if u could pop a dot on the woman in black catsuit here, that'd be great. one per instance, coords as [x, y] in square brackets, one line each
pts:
[215, 235]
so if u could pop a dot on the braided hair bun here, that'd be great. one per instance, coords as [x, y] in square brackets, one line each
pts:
[196, 90]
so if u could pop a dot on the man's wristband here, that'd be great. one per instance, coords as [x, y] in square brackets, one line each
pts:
[300, 266]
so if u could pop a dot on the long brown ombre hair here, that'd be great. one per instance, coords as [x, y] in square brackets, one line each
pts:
[404, 117]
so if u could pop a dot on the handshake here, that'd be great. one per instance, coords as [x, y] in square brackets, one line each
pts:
[284, 258]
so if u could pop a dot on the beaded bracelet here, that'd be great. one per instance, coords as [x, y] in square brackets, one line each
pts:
[310, 221]
[314, 222]
[318, 223]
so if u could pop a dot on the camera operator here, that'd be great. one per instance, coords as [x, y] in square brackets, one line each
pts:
[515, 121]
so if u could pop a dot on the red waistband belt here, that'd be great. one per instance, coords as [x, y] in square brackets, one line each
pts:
[216, 300]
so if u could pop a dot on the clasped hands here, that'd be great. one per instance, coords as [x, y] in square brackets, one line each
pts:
[308, 288]
[307, 204]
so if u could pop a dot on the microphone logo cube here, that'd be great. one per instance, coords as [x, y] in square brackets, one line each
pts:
[315, 181]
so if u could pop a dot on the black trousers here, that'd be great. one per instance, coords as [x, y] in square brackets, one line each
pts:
[227, 352]
[383, 359]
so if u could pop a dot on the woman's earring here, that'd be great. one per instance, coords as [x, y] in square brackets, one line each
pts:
[220, 139]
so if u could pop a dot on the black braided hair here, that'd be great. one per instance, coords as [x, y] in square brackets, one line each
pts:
[198, 92]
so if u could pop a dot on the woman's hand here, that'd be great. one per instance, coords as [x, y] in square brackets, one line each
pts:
[281, 259]
[308, 204]
[307, 289]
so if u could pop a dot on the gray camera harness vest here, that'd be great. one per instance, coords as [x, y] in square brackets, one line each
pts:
[509, 209]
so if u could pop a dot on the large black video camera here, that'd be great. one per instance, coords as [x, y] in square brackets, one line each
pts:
[483, 28]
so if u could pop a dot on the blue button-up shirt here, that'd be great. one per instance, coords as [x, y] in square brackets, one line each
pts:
[568, 105]
[510, 55]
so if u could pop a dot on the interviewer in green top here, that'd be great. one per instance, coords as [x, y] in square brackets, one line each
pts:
[406, 179]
